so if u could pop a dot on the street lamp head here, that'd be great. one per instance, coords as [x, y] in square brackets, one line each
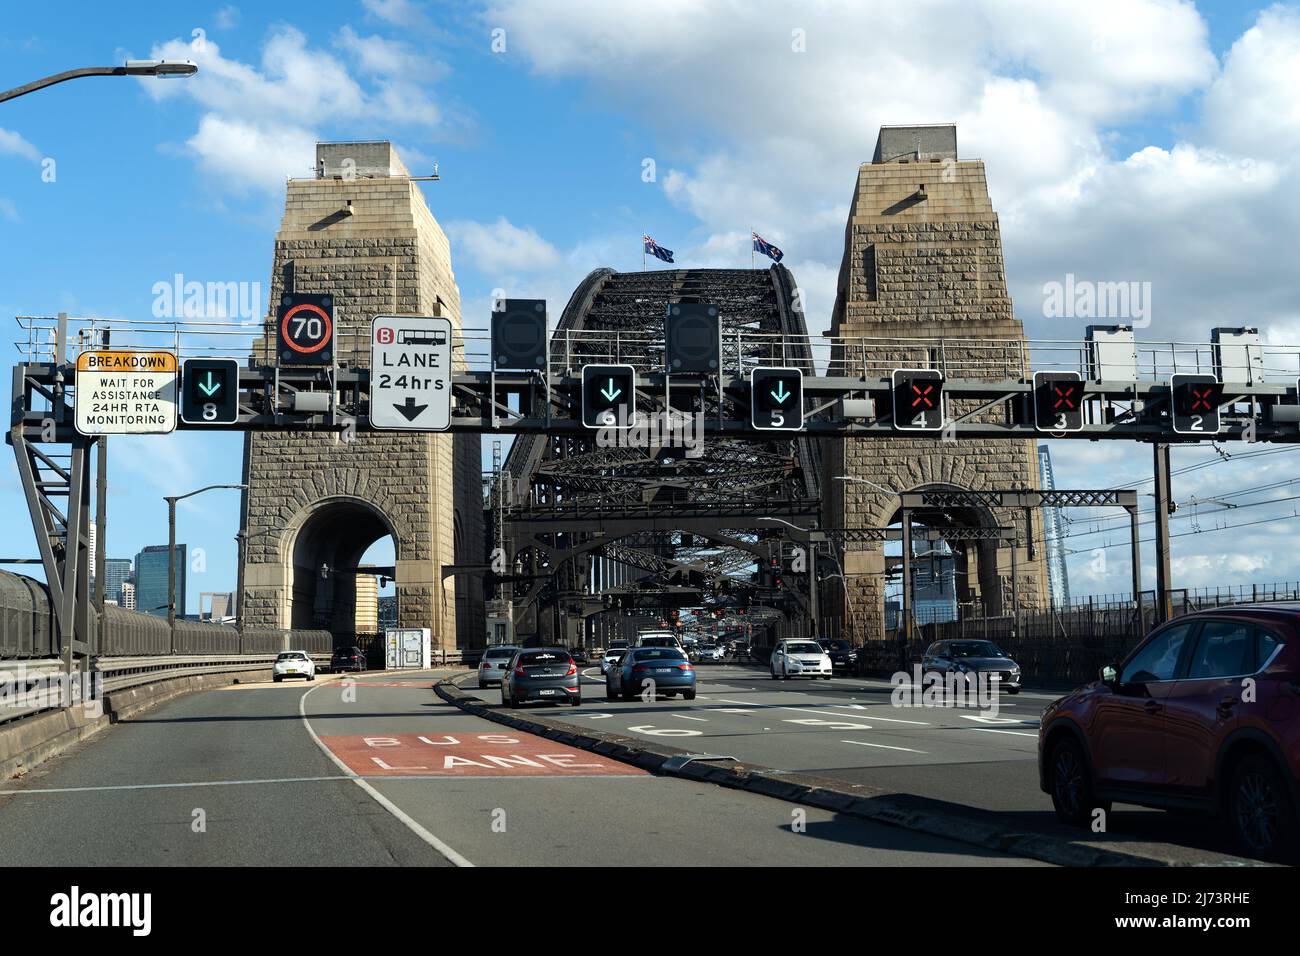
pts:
[162, 68]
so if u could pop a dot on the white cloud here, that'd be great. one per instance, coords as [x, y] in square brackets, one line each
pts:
[8, 211]
[501, 248]
[227, 17]
[259, 122]
[238, 155]
[14, 144]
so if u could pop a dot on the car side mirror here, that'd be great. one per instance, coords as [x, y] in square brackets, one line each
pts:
[1109, 675]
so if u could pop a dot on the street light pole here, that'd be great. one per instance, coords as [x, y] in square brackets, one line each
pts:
[159, 68]
[171, 552]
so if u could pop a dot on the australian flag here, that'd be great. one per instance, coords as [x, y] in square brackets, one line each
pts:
[766, 248]
[656, 250]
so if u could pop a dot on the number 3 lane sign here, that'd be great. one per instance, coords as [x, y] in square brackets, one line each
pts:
[410, 373]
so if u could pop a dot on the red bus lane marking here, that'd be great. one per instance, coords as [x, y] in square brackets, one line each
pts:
[469, 755]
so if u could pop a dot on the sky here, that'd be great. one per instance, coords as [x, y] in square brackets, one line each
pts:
[1124, 140]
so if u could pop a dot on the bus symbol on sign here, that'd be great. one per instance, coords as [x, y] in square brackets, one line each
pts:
[410, 373]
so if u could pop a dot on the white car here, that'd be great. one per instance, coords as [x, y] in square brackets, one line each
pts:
[800, 659]
[613, 654]
[494, 663]
[293, 664]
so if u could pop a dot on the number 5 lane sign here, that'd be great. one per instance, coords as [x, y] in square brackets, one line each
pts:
[410, 373]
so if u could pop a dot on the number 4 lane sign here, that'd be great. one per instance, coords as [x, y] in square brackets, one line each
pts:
[410, 373]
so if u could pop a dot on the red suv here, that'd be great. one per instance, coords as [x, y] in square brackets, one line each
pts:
[1203, 715]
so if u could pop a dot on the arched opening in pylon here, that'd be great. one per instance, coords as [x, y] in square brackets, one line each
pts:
[328, 560]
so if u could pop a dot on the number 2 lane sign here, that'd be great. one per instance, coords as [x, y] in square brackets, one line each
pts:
[410, 373]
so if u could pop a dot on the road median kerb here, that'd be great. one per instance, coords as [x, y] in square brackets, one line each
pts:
[855, 800]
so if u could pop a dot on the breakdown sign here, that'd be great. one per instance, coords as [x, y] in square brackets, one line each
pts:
[410, 373]
[209, 391]
[126, 392]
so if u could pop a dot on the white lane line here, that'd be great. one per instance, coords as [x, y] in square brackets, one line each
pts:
[858, 716]
[684, 717]
[451, 855]
[990, 730]
[863, 743]
[167, 786]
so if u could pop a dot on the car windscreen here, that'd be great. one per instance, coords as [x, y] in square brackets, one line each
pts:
[292, 656]
[543, 658]
[658, 642]
[658, 654]
[496, 653]
[975, 649]
[805, 648]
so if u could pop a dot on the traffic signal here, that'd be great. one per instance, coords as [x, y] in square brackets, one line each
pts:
[305, 329]
[1058, 401]
[1195, 399]
[519, 337]
[209, 391]
[608, 396]
[692, 338]
[918, 399]
[776, 399]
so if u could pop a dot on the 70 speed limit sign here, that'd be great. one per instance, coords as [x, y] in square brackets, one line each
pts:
[305, 329]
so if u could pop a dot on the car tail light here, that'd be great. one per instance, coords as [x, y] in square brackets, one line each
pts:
[573, 669]
[685, 667]
[519, 671]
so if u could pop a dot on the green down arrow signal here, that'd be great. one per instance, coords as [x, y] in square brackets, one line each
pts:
[610, 392]
[209, 387]
[780, 394]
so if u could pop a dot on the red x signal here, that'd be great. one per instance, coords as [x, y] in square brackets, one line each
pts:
[921, 396]
[1201, 399]
[1066, 396]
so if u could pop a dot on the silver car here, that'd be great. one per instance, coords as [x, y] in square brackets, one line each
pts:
[494, 663]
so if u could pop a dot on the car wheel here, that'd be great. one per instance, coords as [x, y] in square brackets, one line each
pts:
[826, 677]
[773, 673]
[575, 702]
[311, 676]
[1013, 690]
[629, 695]
[688, 695]
[1260, 815]
[513, 702]
[1071, 785]
[609, 692]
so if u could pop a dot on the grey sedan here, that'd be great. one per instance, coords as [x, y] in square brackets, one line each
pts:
[541, 673]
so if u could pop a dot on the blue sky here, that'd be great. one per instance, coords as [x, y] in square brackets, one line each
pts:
[1145, 140]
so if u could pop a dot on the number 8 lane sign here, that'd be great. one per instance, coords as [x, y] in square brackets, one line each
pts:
[410, 373]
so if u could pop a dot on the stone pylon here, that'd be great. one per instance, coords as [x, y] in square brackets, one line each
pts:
[360, 230]
[922, 285]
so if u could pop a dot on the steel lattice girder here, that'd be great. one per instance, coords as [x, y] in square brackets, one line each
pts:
[1081, 498]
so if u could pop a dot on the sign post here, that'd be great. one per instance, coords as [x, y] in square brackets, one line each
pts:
[410, 373]
[126, 392]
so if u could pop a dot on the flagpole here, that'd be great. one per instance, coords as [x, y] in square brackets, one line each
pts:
[751, 247]
[643, 265]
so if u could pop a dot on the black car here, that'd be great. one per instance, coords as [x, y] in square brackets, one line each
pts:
[347, 659]
[580, 656]
[843, 655]
[972, 658]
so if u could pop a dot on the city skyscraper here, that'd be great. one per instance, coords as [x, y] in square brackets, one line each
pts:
[151, 580]
[117, 571]
[1058, 578]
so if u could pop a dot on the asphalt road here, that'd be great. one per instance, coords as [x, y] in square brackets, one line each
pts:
[979, 763]
[381, 772]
